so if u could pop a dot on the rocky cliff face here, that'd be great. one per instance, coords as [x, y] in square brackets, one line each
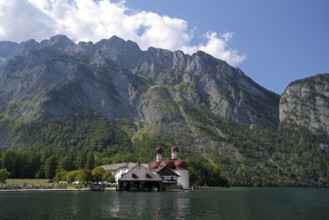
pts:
[306, 102]
[57, 78]
[47, 81]
[59, 64]
[224, 90]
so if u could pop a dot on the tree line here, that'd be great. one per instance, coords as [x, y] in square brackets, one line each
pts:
[85, 166]
[22, 164]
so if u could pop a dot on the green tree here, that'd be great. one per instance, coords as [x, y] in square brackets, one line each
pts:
[67, 163]
[98, 173]
[107, 176]
[72, 176]
[50, 167]
[84, 176]
[9, 162]
[81, 160]
[194, 177]
[22, 165]
[4, 174]
[34, 164]
[90, 164]
[61, 176]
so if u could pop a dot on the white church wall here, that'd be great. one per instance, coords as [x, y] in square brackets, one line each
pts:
[183, 179]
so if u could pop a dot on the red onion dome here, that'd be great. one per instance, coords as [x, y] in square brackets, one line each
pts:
[168, 163]
[174, 148]
[180, 164]
[158, 150]
[155, 165]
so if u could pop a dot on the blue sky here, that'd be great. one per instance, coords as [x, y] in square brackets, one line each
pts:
[283, 40]
[273, 42]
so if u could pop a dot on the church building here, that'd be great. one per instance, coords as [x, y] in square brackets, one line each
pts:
[177, 166]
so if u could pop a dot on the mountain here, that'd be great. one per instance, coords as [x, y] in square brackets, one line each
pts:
[306, 103]
[119, 101]
[57, 78]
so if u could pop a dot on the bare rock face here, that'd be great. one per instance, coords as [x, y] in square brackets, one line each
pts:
[57, 78]
[201, 79]
[6, 49]
[306, 102]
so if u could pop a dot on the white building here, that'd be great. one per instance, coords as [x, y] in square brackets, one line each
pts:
[178, 174]
[118, 169]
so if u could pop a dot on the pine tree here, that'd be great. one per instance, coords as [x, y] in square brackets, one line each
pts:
[90, 164]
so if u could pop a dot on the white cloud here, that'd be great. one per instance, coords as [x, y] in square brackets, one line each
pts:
[90, 20]
[217, 46]
[2, 32]
[20, 20]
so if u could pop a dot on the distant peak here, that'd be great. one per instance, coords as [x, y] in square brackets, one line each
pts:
[114, 37]
[112, 40]
[203, 55]
[60, 41]
[60, 37]
[118, 43]
[29, 42]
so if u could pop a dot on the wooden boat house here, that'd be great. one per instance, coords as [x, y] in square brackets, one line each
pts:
[139, 178]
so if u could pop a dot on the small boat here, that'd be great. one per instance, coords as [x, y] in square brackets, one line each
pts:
[97, 187]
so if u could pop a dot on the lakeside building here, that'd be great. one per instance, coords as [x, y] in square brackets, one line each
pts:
[119, 169]
[162, 174]
[139, 178]
[178, 168]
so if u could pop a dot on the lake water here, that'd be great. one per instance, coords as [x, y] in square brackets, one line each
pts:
[232, 203]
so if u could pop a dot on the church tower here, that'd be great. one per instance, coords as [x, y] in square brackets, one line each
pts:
[174, 152]
[158, 150]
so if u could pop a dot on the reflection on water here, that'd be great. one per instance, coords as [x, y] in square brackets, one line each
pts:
[234, 203]
[147, 205]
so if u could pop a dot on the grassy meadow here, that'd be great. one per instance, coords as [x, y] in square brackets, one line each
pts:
[28, 181]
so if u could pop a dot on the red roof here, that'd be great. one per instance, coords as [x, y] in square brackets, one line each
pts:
[180, 164]
[171, 164]
[155, 165]
[168, 163]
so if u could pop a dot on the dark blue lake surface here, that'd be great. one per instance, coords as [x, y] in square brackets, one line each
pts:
[233, 203]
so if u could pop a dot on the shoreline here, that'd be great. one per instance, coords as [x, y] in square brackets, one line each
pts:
[52, 189]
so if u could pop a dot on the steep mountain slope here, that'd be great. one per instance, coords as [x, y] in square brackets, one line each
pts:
[57, 78]
[44, 83]
[306, 103]
[224, 90]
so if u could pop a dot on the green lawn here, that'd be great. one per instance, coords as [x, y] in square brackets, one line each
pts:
[29, 181]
